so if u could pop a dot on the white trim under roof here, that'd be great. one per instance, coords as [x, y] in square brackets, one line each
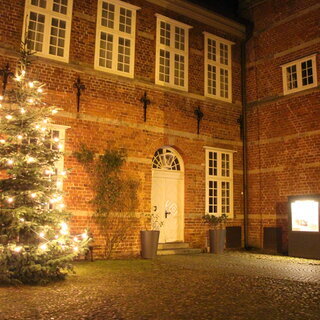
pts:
[203, 15]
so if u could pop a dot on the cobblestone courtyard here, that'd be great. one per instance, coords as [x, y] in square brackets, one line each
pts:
[235, 285]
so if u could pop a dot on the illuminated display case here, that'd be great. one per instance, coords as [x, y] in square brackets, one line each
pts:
[304, 233]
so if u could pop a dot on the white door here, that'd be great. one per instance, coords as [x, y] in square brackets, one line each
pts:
[168, 202]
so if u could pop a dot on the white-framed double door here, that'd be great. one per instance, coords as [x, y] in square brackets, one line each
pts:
[167, 202]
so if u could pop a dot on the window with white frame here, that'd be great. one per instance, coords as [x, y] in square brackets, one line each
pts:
[299, 75]
[218, 67]
[172, 53]
[219, 182]
[115, 37]
[48, 27]
[57, 135]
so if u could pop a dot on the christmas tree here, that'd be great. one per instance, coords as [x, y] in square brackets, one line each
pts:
[35, 243]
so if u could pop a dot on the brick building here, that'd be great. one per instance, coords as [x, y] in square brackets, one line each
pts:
[185, 58]
[283, 111]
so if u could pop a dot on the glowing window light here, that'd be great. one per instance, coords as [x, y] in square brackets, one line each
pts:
[305, 215]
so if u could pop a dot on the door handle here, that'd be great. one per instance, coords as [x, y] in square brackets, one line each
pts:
[166, 214]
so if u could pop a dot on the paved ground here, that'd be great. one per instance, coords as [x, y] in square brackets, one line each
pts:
[235, 285]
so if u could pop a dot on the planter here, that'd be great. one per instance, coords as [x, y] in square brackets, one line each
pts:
[149, 243]
[217, 239]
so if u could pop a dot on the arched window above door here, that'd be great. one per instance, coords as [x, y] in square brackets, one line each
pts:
[166, 159]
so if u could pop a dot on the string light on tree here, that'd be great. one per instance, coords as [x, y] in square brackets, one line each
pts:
[36, 232]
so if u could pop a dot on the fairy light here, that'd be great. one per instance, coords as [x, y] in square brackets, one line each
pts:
[1, 98]
[43, 129]
[75, 239]
[2, 141]
[17, 249]
[40, 90]
[76, 249]
[31, 84]
[22, 219]
[54, 111]
[10, 200]
[33, 195]
[9, 117]
[31, 159]
[84, 236]
[61, 205]
[43, 247]
[30, 100]
[22, 110]
[56, 139]
[19, 137]
[63, 173]
[56, 236]
[37, 126]
[10, 162]
[45, 121]
[60, 146]
[41, 234]
[18, 78]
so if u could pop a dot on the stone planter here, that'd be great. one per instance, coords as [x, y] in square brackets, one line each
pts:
[149, 243]
[217, 240]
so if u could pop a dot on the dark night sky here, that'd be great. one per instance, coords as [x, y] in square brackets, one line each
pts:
[224, 7]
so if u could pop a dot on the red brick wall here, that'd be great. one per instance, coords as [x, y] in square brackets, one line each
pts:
[112, 114]
[283, 131]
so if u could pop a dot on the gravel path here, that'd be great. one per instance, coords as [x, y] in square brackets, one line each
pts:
[235, 285]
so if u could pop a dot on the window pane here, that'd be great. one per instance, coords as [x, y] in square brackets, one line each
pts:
[60, 6]
[225, 197]
[57, 37]
[212, 55]
[292, 81]
[36, 31]
[105, 53]
[107, 19]
[307, 75]
[39, 3]
[164, 66]
[179, 38]
[225, 165]
[125, 20]
[213, 196]
[224, 54]
[179, 70]
[212, 80]
[224, 83]
[124, 55]
[165, 33]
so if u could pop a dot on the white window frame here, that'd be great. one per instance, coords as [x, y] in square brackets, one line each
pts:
[173, 51]
[298, 63]
[59, 165]
[218, 66]
[116, 33]
[49, 14]
[219, 178]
